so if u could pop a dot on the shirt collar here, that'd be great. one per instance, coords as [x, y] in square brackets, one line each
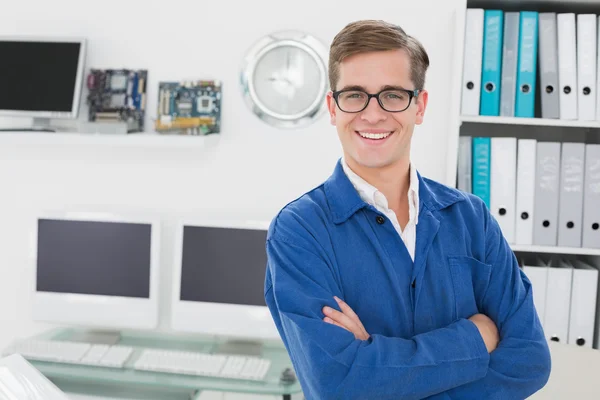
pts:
[365, 190]
[344, 200]
[371, 195]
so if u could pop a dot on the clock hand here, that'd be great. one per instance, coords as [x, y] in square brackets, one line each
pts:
[286, 80]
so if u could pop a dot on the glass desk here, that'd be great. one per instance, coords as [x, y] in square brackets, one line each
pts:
[89, 376]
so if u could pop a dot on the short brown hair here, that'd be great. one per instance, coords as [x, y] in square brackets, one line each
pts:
[374, 35]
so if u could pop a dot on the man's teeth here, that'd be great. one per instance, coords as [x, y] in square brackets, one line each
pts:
[369, 135]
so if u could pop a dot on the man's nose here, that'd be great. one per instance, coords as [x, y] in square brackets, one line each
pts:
[373, 113]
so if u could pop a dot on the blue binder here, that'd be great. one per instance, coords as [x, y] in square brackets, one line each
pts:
[482, 153]
[491, 71]
[527, 64]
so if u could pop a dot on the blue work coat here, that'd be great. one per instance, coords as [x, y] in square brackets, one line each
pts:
[329, 242]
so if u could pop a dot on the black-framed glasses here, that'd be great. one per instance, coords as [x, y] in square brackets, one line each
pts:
[391, 100]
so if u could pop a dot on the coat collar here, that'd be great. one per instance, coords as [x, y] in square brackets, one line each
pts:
[344, 200]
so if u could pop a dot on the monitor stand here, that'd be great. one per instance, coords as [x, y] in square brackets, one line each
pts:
[240, 348]
[42, 125]
[39, 125]
[97, 337]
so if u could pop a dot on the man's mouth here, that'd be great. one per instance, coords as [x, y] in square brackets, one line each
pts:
[374, 135]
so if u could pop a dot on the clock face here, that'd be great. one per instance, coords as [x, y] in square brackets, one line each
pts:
[287, 80]
[284, 79]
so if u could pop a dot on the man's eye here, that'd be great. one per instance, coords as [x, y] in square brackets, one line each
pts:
[395, 96]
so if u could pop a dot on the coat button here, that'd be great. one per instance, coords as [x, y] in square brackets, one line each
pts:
[380, 220]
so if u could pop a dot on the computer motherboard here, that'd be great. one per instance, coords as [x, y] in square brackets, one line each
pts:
[117, 95]
[189, 107]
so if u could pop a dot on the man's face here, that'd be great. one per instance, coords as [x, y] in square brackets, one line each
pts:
[372, 72]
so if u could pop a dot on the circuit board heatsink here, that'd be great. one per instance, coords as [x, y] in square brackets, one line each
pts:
[189, 107]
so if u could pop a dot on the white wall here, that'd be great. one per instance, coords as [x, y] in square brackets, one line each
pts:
[252, 171]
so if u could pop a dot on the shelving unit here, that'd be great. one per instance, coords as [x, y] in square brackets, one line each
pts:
[543, 129]
[555, 250]
[530, 122]
[141, 140]
[573, 292]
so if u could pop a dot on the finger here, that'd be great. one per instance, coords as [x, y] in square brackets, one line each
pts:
[346, 309]
[350, 312]
[338, 316]
[353, 330]
[332, 322]
[342, 319]
[357, 334]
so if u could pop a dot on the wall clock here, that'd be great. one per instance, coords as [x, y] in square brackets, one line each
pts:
[284, 79]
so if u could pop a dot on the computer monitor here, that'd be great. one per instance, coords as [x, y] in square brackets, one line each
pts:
[218, 283]
[97, 270]
[41, 77]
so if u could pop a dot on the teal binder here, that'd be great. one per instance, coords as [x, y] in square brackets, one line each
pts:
[482, 154]
[491, 69]
[527, 65]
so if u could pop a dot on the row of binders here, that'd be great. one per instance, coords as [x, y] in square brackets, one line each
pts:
[541, 193]
[564, 295]
[505, 51]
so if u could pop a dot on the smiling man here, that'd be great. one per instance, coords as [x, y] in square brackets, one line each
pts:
[385, 284]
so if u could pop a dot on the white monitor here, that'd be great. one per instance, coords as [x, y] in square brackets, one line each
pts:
[41, 77]
[97, 270]
[218, 283]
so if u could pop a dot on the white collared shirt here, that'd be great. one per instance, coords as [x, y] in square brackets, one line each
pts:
[373, 196]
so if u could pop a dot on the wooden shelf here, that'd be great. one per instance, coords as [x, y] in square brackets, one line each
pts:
[141, 140]
[530, 121]
[555, 250]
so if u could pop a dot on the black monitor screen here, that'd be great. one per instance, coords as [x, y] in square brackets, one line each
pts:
[38, 76]
[92, 257]
[223, 265]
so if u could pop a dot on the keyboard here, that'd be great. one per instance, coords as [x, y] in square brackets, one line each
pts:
[71, 352]
[202, 364]
[155, 360]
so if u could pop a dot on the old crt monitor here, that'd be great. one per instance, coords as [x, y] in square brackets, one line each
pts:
[218, 284]
[41, 77]
[97, 270]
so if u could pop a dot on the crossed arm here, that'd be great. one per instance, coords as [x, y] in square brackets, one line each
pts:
[347, 319]
[464, 360]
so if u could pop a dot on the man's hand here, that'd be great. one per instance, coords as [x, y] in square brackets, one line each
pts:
[346, 319]
[488, 330]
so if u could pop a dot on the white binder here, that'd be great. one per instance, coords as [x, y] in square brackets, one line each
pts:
[547, 185]
[567, 65]
[538, 276]
[502, 184]
[598, 73]
[591, 198]
[465, 167]
[558, 302]
[586, 66]
[471, 79]
[582, 319]
[510, 57]
[570, 210]
[548, 56]
[526, 157]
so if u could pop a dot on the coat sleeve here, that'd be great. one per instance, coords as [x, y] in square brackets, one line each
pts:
[520, 365]
[331, 364]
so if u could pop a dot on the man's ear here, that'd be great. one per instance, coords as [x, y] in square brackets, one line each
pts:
[331, 107]
[422, 99]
